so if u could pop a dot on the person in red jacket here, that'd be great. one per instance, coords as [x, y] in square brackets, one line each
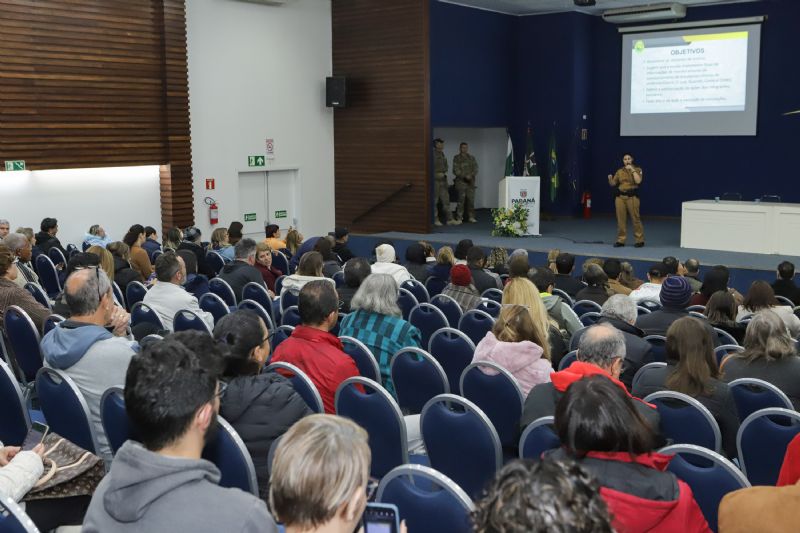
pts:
[790, 471]
[600, 428]
[312, 348]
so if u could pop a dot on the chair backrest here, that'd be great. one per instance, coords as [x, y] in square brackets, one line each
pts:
[155, 255]
[364, 358]
[48, 275]
[221, 288]
[461, 441]
[640, 310]
[279, 284]
[490, 307]
[454, 350]
[143, 313]
[726, 349]
[407, 301]
[65, 408]
[658, 347]
[762, 441]
[751, 395]
[288, 299]
[644, 370]
[710, 478]
[417, 377]
[291, 316]
[783, 300]
[567, 360]
[434, 286]
[338, 278]
[51, 322]
[696, 308]
[724, 337]
[14, 418]
[590, 318]
[38, 294]
[538, 437]
[685, 420]
[427, 500]
[650, 304]
[476, 324]
[585, 306]
[56, 256]
[376, 411]
[116, 424]
[302, 385]
[449, 307]
[258, 293]
[499, 397]
[228, 452]
[211, 303]
[134, 293]
[186, 320]
[576, 337]
[428, 319]
[118, 296]
[13, 518]
[281, 334]
[698, 314]
[280, 262]
[257, 308]
[23, 338]
[495, 295]
[564, 296]
[417, 289]
[215, 261]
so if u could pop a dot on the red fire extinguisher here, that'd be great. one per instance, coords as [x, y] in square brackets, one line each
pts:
[586, 202]
[213, 212]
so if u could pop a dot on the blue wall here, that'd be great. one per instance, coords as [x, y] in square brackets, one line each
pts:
[560, 67]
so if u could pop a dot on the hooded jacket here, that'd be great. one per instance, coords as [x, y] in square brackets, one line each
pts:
[147, 492]
[238, 274]
[641, 495]
[566, 318]
[261, 408]
[124, 274]
[523, 359]
[45, 241]
[202, 265]
[96, 240]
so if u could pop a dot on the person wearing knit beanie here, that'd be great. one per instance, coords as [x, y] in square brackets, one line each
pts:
[461, 288]
[675, 292]
[385, 264]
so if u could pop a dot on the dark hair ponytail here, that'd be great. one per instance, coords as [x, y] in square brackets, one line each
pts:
[242, 333]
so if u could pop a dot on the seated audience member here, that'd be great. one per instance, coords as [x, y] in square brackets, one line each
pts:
[46, 238]
[590, 261]
[123, 272]
[220, 244]
[168, 296]
[461, 250]
[497, 261]
[303, 248]
[769, 354]
[693, 274]
[78, 261]
[416, 263]
[172, 397]
[552, 256]
[93, 346]
[260, 406]
[557, 308]
[613, 269]
[518, 267]
[761, 509]
[269, 273]
[628, 277]
[140, 260]
[481, 278]
[13, 294]
[195, 283]
[151, 244]
[294, 239]
[312, 348]
[761, 297]
[241, 271]
[716, 279]
[173, 239]
[517, 344]
[105, 260]
[430, 253]
[602, 428]
[330, 261]
[692, 370]
[235, 232]
[673, 266]
[341, 235]
[784, 284]
[674, 297]
[5, 228]
[542, 496]
[649, 292]
[376, 320]
[597, 285]
[461, 288]
[444, 262]
[319, 476]
[790, 469]
[96, 236]
[721, 313]
[356, 271]
[385, 264]
[21, 249]
[192, 241]
[273, 237]
[309, 269]
[28, 233]
[620, 313]
[522, 291]
[565, 265]
[601, 350]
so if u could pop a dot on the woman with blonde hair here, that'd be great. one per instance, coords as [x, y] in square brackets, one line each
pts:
[445, 259]
[264, 265]
[522, 291]
[552, 255]
[106, 260]
[627, 277]
[220, 244]
[293, 241]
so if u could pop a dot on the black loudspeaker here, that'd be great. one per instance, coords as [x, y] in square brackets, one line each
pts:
[336, 91]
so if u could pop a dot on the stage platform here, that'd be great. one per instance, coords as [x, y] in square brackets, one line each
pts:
[590, 238]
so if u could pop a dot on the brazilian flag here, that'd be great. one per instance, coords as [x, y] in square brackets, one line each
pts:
[553, 167]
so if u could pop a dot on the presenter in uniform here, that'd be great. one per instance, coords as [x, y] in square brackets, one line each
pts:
[465, 167]
[626, 182]
[440, 189]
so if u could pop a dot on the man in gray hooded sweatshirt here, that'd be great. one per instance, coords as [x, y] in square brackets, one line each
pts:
[172, 397]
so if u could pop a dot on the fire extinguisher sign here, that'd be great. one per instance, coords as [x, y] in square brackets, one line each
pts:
[210, 185]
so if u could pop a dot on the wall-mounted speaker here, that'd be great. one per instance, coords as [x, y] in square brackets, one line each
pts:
[336, 91]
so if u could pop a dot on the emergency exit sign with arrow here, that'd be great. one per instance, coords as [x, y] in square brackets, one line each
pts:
[255, 161]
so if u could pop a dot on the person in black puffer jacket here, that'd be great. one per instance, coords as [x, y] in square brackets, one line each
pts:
[123, 273]
[260, 406]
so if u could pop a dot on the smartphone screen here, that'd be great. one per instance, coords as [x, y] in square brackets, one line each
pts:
[381, 518]
[35, 435]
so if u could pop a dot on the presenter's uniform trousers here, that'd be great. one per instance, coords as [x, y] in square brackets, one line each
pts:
[628, 205]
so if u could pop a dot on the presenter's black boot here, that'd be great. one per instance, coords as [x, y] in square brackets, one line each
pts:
[639, 245]
[619, 244]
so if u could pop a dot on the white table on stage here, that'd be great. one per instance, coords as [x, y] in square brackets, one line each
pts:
[755, 227]
[525, 189]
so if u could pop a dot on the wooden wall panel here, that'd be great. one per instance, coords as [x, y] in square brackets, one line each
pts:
[382, 139]
[94, 83]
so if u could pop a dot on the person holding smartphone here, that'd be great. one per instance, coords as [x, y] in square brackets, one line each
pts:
[626, 182]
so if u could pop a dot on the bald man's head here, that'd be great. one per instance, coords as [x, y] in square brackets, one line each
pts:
[602, 345]
[85, 289]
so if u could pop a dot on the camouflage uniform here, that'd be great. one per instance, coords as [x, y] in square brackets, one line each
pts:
[465, 167]
[440, 192]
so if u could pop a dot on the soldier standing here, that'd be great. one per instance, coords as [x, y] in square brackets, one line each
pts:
[440, 192]
[626, 182]
[465, 167]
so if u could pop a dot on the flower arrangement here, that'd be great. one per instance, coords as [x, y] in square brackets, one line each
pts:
[511, 222]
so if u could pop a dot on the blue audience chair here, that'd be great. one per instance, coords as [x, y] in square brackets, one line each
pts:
[417, 289]
[288, 299]
[48, 275]
[417, 377]
[291, 316]
[211, 303]
[280, 262]
[590, 318]
[257, 308]
[696, 308]
[221, 288]
[762, 441]
[215, 261]
[564, 296]
[14, 417]
[13, 518]
[279, 285]
[724, 337]
[454, 351]
[23, 339]
[338, 278]
[119, 298]
[302, 384]
[640, 310]
[406, 301]
[495, 295]
[721, 352]
[567, 360]
[498, 396]
[115, 420]
[476, 324]
[428, 319]
[751, 395]
[364, 358]
[435, 285]
[57, 257]
[490, 307]
[142, 313]
[685, 420]
[186, 320]
[229, 454]
[38, 294]
[658, 347]
[65, 408]
[576, 337]
[649, 367]
[449, 307]
[650, 305]
[586, 306]
[51, 322]
[537, 438]
[258, 293]
[134, 293]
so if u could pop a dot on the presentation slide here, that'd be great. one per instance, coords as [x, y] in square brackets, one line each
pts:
[691, 82]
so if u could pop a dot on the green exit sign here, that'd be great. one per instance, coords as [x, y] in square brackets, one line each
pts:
[15, 165]
[255, 161]
[249, 217]
[280, 214]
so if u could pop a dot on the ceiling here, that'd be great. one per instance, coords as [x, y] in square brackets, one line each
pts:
[539, 7]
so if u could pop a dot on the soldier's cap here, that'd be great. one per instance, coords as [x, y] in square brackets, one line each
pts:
[438, 140]
[340, 233]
